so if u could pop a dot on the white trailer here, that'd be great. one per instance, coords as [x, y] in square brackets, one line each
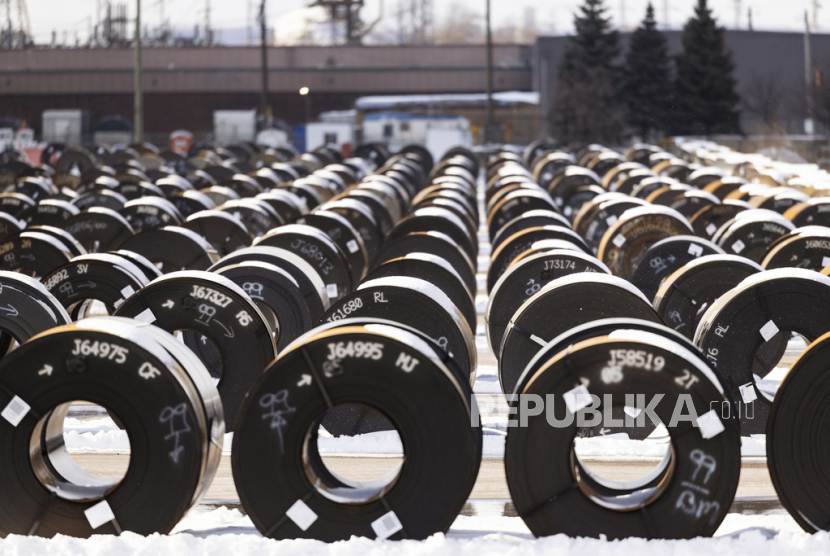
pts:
[233, 126]
[398, 129]
[63, 126]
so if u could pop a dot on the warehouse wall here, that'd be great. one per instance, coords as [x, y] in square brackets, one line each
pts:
[184, 85]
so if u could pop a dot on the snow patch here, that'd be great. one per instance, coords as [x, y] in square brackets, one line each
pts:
[227, 531]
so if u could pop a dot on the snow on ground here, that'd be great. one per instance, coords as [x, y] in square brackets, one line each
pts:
[85, 436]
[226, 531]
[765, 161]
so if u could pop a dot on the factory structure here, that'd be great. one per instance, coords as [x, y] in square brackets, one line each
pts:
[185, 85]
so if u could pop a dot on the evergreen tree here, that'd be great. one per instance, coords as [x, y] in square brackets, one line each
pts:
[647, 78]
[596, 44]
[584, 107]
[705, 97]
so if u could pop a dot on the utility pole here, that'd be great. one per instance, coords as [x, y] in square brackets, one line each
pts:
[164, 30]
[10, 32]
[488, 120]
[304, 92]
[207, 23]
[349, 23]
[138, 98]
[266, 110]
[809, 126]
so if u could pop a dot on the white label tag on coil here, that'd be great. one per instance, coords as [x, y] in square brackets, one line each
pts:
[301, 514]
[559, 201]
[577, 398]
[825, 261]
[619, 240]
[695, 250]
[99, 514]
[710, 424]
[738, 246]
[568, 211]
[768, 331]
[611, 220]
[15, 411]
[711, 229]
[386, 525]
[352, 245]
[748, 392]
[146, 316]
[331, 289]
[538, 340]
[126, 292]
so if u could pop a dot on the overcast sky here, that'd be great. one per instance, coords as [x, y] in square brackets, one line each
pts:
[73, 16]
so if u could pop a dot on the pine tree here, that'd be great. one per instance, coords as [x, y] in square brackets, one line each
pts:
[647, 78]
[705, 97]
[585, 108]
[596, 44]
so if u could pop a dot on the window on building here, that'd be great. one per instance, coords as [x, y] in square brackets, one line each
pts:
[330, 138]
[404, 126]
[388, 130]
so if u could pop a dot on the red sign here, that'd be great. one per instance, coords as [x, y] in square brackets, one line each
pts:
[181, 141]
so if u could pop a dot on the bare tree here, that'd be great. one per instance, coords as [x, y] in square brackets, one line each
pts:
[463, 26]
[770, 102]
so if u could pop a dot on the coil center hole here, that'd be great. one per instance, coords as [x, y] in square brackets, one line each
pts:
[72, 475]
[205, 350]
[330, 454]
[270, 318]
[790, 347]
[623, 485]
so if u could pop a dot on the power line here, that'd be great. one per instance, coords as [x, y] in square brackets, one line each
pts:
[16, 32]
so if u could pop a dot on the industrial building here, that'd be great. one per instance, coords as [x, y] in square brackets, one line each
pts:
[184, 86]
